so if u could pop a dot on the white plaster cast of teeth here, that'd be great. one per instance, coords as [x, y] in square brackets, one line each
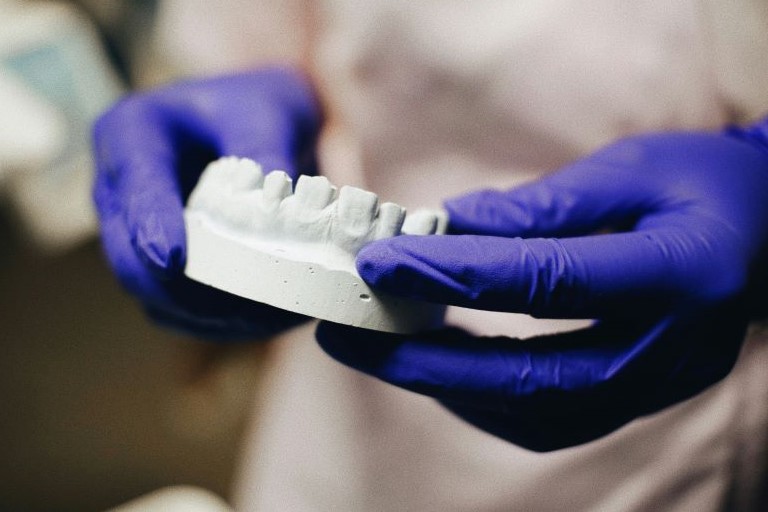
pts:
[249, 235]
[425, 222]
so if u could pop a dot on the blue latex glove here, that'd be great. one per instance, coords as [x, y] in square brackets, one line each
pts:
[150, 150]
[668, 289]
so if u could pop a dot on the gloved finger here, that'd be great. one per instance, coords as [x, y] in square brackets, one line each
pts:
[669, 362]
[186, 305]
[603, 190]
[488, 373]
[131, 271]
[278, 129]
[551, 430]
[582, 277]
[270, 115]
[137, 179]
[168, 138]
[556, 390]
[523, 403]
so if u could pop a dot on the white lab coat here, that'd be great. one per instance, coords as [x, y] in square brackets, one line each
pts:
[433, 98]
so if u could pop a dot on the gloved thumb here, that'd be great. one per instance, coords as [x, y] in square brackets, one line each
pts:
[579, 199]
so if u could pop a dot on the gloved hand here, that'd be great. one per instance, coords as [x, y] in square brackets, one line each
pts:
[688, 221]
[150, 150]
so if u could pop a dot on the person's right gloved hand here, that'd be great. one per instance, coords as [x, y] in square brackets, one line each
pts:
[150, 149]
[669, 285]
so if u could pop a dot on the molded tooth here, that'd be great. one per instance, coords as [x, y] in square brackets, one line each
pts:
[420, 222]
[357, 208]
[314, 192]
[232, 173]
[210, 175]
[277, 186]
[442, 221]
[245, 174]
[239, 210]
[391, 217]
[224, 177]
[210, 187]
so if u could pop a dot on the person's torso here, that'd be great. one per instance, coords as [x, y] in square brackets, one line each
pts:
[435, 98]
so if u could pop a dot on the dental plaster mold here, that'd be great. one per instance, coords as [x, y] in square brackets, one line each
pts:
[253, 236]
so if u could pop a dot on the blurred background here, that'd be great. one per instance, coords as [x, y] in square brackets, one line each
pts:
[99, 406]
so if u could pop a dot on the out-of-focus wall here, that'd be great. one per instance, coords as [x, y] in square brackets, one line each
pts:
[99, 405]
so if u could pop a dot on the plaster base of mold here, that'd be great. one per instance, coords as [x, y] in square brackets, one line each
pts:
[269, 273]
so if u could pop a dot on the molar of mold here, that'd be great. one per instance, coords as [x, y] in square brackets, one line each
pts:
[391, 217]
[207, 194]
[232, 174]
[242, 173]
[420, 222]
[221, 187]
[240, 180]
[238, 211]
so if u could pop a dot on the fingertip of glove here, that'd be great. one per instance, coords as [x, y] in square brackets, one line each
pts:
[374, 261]
[456, 214]
[455, 205]
[329, 334]
[467, 204]
[359, 348]
[399, 265]
[334, 340]
[489, 212]
[157, 251]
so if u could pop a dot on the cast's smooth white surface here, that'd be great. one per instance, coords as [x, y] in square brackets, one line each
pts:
[248, 234]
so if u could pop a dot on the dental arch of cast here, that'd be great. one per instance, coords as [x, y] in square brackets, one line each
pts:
[242, 224]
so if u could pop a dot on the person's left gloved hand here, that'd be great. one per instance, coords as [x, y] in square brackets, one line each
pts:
[150, 149]
[668, 291]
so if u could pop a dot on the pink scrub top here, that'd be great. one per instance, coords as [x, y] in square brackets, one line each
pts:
[434, 98]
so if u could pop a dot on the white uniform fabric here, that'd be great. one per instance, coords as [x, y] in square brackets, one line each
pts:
[438, 97]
